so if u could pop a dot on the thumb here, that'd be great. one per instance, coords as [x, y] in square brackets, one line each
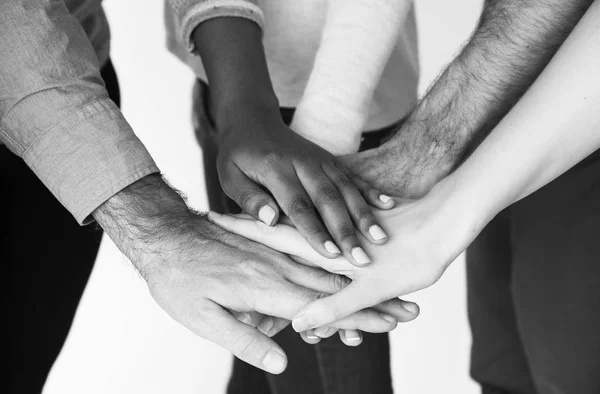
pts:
[246, 342]
[328, 310]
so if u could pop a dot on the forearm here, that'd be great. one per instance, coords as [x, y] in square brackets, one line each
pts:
[357, 41]
[233, 56]
[512, 44]
[554, 126]
[144, 213]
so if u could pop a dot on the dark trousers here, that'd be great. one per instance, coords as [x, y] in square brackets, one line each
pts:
[47, 259]
[534, 291]
[329, 367]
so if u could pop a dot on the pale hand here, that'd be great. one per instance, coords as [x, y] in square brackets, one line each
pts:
[424, 240]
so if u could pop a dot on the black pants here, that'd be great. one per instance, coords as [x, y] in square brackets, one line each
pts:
[329, 367]
[534, 291]
[47, 259]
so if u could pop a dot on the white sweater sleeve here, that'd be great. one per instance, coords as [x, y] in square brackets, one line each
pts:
[190, 13]
[357, 41]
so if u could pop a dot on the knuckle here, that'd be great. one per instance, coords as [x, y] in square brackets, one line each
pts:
[273, 159]
[364, 217]
[335, 309]
[247, 347]
[343, 181]
[300, 205]
[432, 277]
[329, 196]
[360, 318]
[301, 154]
[257, 280]
[346, 233]
[254, 269]
[248, 199]
[339, 282]
[309, 296]
[315, 231]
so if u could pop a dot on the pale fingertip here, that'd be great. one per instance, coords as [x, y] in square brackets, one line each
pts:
[388, 318]
[266, 214]
[310, 334]
[377, 233]
[323, 332]
[359, 255]
[331, 247]
[410, 307]
[301, 323]
[266, 325]
[245, 318]
[352, 336]
[274, 362]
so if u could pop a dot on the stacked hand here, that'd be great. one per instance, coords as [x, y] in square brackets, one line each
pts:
[264, 165]
[204, 277]
[200, 282]
[426, 238]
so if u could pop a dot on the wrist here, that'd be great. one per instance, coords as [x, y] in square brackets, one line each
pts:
[465, 210]
[144, 218]
[240, 113]
[408, 165]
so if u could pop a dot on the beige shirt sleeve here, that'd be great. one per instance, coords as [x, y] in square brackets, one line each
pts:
[55, 112]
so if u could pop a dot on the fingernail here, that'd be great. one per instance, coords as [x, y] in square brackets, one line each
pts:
[410, 307]
[301, 323]
[266, 215]
[384, 198]
[331, 247]
[274, 361]
[323, 332]
[310, 334]
[389, 318]
[359, 255]
[377, 233]
[352, 336]
[265, 325]
[245, 318]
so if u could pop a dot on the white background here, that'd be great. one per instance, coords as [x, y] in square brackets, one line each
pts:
[122, 343]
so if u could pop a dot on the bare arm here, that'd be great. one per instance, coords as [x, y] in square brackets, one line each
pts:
[511, 45]
[554, 126]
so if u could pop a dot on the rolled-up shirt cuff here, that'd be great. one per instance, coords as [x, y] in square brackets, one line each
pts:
[200, 12]
[88, 156]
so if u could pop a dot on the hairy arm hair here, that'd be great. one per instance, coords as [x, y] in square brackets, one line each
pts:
[511, 45]
[147, 218]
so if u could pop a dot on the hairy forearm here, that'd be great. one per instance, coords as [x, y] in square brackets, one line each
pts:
[554, 126]
[144, 214]
[512, 44]
[234, 59]
[357, 41]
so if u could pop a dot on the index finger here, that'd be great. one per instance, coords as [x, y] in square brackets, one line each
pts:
[298, 206]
